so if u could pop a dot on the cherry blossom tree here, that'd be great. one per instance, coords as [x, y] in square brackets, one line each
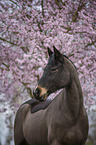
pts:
[27, 28]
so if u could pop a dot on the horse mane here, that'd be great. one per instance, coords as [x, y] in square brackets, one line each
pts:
[70, 61]
[36, 105]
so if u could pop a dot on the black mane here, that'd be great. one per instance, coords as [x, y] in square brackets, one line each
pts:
[70, 61]
[36, 105]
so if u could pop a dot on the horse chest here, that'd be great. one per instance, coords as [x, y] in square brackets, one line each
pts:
[67, 136]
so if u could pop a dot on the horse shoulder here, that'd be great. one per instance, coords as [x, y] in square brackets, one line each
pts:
[18, 125]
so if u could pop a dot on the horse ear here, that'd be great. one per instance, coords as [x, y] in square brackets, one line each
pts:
[49, 51]
[58, 56]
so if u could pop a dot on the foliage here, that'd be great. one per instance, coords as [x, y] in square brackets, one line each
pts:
[28, 27]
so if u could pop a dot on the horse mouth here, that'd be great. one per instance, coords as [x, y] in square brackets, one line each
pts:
[43, 97]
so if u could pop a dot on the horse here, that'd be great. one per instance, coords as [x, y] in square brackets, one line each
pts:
[62, 121]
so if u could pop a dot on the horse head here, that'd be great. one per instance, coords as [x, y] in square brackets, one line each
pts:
[56, 76]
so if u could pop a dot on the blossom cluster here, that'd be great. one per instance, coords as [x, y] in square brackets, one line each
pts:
[28, 28]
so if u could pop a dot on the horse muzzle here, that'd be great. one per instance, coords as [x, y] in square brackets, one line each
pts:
[40, 93]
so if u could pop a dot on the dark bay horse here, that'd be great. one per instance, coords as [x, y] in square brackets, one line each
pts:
[62, 121]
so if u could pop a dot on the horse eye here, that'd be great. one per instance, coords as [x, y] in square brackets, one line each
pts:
[54, 69]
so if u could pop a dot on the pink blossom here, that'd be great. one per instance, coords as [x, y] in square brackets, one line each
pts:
[25, 35]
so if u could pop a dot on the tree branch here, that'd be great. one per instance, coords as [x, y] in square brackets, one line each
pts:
[42, 8]
[8, 41]
[93, 42]
[80, 6]
[29, 91]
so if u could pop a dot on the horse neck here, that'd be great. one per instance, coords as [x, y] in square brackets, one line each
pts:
[72, 98]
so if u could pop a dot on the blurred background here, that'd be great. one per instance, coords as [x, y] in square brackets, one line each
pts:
[27, 28]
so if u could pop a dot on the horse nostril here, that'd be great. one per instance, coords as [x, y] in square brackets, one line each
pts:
[36, 92]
